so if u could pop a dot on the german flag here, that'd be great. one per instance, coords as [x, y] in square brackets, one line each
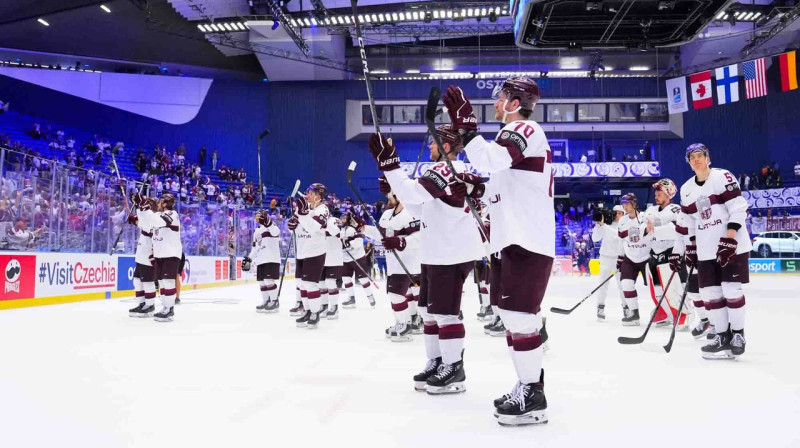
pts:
[788, 63]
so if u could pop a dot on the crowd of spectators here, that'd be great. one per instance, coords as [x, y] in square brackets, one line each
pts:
[769, 176]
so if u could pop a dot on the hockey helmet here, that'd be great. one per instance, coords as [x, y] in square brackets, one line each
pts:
[695, 147]
[319, 189]
[629, 198]
[667, 186]
[448, 134]
[519, 88]
[169, 201]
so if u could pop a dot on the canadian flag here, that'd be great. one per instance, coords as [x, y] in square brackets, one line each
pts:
[701, 90]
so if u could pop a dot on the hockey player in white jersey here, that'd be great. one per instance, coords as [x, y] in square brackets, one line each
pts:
[449, 246]
[309, 221]
[520, 194]
[333, 268]
[144, 275]
[611, 246]
[715, 216]
[402, 230]
[662, 219]
[167, 248]
[265, 253]
[633, 257]
[355, 259]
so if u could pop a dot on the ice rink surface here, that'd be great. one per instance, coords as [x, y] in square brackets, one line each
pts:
[87, 375]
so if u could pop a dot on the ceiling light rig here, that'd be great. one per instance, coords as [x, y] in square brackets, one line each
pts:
[412, 13]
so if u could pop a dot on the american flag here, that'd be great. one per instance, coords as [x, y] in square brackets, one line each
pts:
[755, 78]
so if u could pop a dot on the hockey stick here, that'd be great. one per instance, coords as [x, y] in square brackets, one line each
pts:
[119, 178]
[363, 55]
[567, 311]
[289, 248]
[130, 211]
[362, 269]
[430, 118]
[668, 347]
[422, 149]
[350, 171]
[640, 339]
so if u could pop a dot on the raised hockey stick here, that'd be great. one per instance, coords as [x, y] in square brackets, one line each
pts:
[430, 121]
[289, 248]
[567, 311]
[119, 179]
[350, 171]
[130, 211]
[640, 339]
[668, 347]
[363, 54]
[422, 149]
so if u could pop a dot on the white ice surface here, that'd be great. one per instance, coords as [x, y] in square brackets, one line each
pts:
[87, 375]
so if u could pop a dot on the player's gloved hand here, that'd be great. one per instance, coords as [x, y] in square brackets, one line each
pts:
[301, 205]
[619, 262]
[394, 243]
[675, 262]
[132, 220]
[383, 185]
[292, 223]
[246, 264]
[384, 153]
[726, 251]
[458, 190]
[475, 186]
[691, 256]
[459, 109]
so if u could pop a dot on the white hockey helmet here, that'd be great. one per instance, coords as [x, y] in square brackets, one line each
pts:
[667, 186]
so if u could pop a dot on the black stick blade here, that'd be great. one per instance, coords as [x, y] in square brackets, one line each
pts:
[433, 104]
[559, 310]
[630, 341]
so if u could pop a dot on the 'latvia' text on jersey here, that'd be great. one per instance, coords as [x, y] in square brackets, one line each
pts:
[635, 245]
[520, 187]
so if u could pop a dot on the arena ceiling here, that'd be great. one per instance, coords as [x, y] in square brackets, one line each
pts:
[150, 35]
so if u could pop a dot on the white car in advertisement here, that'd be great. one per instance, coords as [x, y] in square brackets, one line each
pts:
[782, 243]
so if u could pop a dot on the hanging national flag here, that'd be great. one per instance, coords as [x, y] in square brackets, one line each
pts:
[755, 78]
[701, 90]
[676, 95]
[788, 71]
[727, 84]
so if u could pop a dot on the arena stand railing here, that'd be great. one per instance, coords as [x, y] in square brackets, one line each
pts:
[82, 210]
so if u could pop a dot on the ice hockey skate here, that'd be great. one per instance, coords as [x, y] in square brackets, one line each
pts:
[527, 407]
[448, 379]
[302, 322]
[701, 328]
[720, 347]
[420, 379]
[165, 315]
[141, 311]
[601, 313]
[333, 313]
[485, 313]
[271, 307]
[313, 320]
[298, 309]
[631, 319]
[350, 303]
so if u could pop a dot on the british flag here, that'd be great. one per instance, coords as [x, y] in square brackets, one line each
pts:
[755, 78]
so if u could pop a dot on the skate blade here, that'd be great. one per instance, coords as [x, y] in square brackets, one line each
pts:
[311, 327]
[140, 315]
[262, 310]
[348, 306]
[416, 331]
[271, 311]
[452, 388]
[420, 386]
[333, 316]
[496, 334]
[662, 323]
[530, 418]
[634, 323]
[401, 338]
[724, 355]
[601, 320]
[301, 325]
[163, 319]
[296, 313]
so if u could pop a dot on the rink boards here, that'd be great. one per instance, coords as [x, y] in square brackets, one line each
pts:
[46, 278]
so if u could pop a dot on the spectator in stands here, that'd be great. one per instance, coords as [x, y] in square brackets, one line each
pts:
[797, 169]
[214, 160]
[242, 177]
[223, 172]
[20, 238]
[36, 132]
[5, 213]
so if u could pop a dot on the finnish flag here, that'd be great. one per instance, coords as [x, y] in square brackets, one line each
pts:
[727, 84]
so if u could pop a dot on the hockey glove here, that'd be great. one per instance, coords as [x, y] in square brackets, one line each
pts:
[394, 243]
[675, 262]
[246, 264]
[384, 153]
[383, 185]
[619, 262]
[726, 251]
[132, 220]
[301, 205]
[691, 256]
[459, 109]
[292, 223]
[475, 185]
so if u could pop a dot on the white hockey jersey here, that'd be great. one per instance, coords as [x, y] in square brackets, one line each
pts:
[166, 227]
[635, 245]
[664, 220]
[266, 247]
[352, 244]
[333, 251]
[611, 245]
[520, 187]
[709, 207]
[144, 244]
[405, 225]
[311, 232]
[449, 236]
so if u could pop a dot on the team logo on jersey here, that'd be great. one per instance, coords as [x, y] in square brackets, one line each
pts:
[732, 187]
[515, 138]
[633, 234]
[704, 206]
